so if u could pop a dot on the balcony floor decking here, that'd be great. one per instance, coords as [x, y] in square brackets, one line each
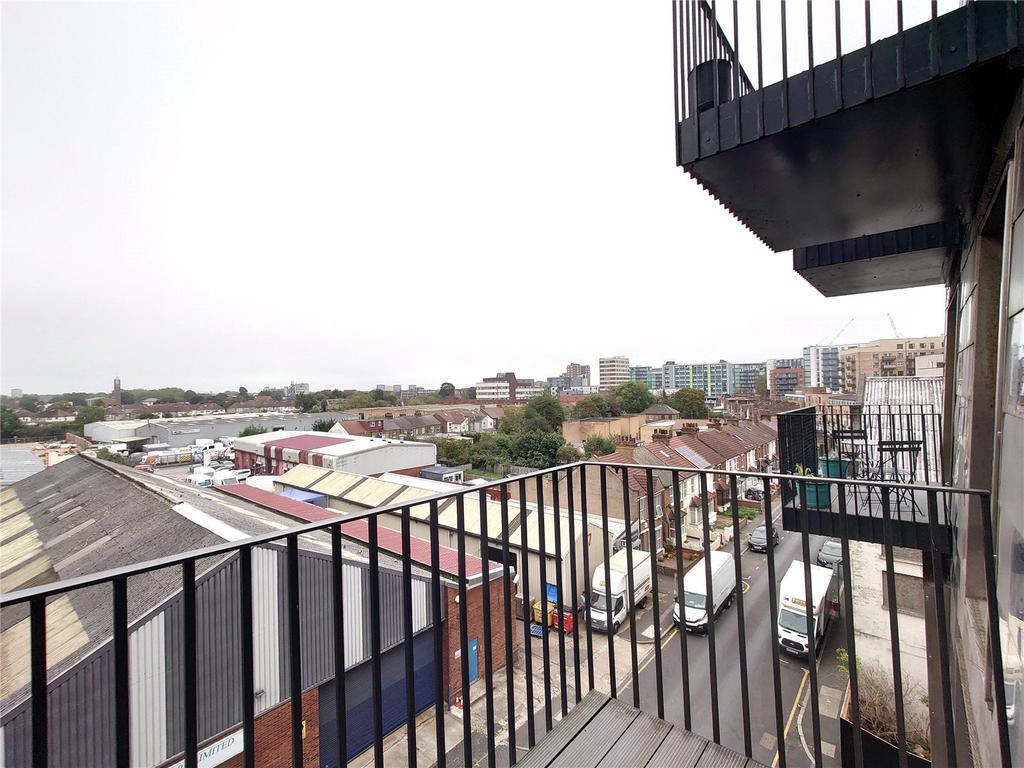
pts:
[601, 731]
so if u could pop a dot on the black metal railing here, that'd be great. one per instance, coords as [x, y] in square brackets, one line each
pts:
[817, 57]
[565, 497]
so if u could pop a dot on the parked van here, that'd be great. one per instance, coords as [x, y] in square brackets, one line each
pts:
[200, 480]
[793, 635]
[695, 583]
[225, 477]
[603, 619]
[241, 474]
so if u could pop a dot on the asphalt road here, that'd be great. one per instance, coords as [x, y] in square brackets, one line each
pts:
[758, 633]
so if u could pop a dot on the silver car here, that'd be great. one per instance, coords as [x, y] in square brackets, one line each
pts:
[830, 554]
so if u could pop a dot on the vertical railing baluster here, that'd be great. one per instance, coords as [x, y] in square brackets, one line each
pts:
[709, 611]
[585, 518]
[901, 61]
[485, 573]
[934, 573]
[559, 594]
[811, 628]
[675, 83]
[545, 640]
[839, 54]
[189, 651]
[610, 624]
[869, 76]
[122, 708]
[785, 65]
[467, 727]
[995, 640]
[810, 60]
[439, 636]
[684, 661]
[248, 660]
[508, 597]
[894, 628]
[37, 649]
[375, 643]
[574, 579]
[524, 582]
[695, 31]
[740, 619]
[736, 54]
[658, 671]
[773, 610]
[295, 647]
[631, 586]
[851, 635]
[338, 605]
[410, 658]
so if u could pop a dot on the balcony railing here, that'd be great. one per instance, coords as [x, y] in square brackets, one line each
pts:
[726, 686]
[794, 62]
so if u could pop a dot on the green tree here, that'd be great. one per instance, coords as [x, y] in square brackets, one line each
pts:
[447, 389]
[592, 406]
[537, 449]
[90, 413]
[455, 452]
[567, 454]
[10, 425]
[304, 402]
[598, 445]
[28, 403]
[633, 397]
[469, 393]
[244, 393]
[323, 425]
[761, 385]
[252, 429]
[548, 408]
[127, 398]
[492, 449]
[513, 421]
[689, 403]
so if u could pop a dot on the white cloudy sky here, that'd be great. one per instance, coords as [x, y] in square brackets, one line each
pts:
[211, 195]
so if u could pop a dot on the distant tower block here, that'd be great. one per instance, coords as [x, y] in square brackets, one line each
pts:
[116, 395]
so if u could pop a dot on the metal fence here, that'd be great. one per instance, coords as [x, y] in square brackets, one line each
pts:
[577, 494]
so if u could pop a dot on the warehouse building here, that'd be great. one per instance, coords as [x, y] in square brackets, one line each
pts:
[274, 453]
[81, 516]
[178, 433]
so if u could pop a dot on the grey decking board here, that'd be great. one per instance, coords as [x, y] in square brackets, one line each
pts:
[717, 756]
[680, 749]
[638, 743]
[593, 741]
[548, 748]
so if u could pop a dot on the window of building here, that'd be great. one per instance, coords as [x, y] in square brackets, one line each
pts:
[899, 346]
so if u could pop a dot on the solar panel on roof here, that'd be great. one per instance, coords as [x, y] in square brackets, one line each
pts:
[693, 457]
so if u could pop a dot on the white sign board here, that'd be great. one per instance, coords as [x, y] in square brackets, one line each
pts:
[217, 752]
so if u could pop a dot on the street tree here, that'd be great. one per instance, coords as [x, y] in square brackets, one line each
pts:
[447, 389]
[633, 397]
[689, 403]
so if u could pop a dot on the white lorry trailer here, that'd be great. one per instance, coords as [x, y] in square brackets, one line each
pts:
[607, 617]
[695, 590]
[793, 634]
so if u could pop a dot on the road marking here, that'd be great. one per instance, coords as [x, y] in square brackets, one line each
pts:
[792, 713]
[668, 636]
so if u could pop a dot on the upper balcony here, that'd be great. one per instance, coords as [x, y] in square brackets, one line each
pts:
[857, 134]
[401, 635]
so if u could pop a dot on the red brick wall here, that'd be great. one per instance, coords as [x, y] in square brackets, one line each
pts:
[274, 736]
[476, 629]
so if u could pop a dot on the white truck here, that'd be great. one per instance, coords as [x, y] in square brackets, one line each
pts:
[695, 591]
[617, 584]
[793, 634]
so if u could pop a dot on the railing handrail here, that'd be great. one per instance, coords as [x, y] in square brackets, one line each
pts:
[229, 547]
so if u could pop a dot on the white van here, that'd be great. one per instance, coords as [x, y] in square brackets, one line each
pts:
[199, 480]
[225, 477]
[618, 588]
[723, 586]
[792, 623]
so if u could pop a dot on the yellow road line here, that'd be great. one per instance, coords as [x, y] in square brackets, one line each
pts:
[792, 713]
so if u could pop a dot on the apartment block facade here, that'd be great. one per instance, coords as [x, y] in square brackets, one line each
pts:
[745, 376]
[884, 357]
[613, 371]
[506, 387]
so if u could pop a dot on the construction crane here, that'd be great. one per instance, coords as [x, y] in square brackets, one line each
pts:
[893, 324]
[832, 341]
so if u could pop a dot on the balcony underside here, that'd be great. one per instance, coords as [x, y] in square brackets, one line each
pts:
[904, 150]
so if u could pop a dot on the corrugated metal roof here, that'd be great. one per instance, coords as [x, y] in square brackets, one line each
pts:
[336, 482]
[303, 476]
[275, 502]
[308, 442]
[904, 390]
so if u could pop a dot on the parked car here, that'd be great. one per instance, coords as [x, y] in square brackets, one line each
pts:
[145, 468]
[757, 541]
[755, 494]
[830, 554]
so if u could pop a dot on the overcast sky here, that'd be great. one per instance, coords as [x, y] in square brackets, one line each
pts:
[207, 196]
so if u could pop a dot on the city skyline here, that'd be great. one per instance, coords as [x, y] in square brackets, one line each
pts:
[244, 222]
